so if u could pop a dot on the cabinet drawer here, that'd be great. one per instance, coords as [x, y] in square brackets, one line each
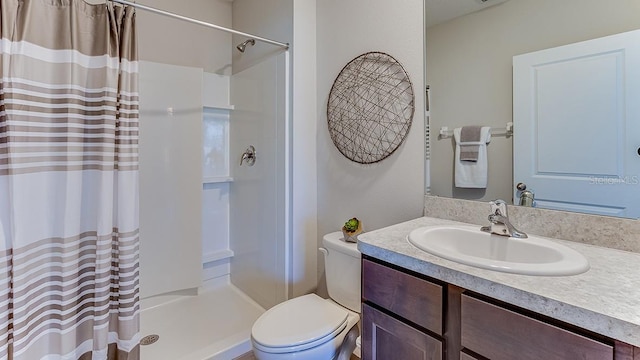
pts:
[385, 338]
[408, 296]
[500, 334]
[464, 356]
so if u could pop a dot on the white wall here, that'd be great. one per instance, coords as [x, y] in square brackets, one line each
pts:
[470, 74]
[390, 191]
[304, 190]
[272, 19]
[170, 41]
[165, 40]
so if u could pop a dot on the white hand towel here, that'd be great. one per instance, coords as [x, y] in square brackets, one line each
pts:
[470, 174]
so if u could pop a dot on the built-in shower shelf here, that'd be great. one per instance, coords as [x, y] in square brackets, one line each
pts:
[216, 179]
[219, 107]
[217, 255]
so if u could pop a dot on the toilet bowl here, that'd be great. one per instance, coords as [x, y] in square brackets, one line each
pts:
[310, 327]
[307, 327]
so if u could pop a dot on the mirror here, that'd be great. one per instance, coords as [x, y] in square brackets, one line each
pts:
[469, 71]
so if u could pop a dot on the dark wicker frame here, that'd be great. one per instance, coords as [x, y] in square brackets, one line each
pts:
[370, 108]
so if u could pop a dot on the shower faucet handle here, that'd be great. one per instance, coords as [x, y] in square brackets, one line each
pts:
[249, 156]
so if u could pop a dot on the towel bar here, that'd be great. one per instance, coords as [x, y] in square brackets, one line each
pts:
[505, 131]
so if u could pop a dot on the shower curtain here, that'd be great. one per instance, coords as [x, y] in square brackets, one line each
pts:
[68, 181]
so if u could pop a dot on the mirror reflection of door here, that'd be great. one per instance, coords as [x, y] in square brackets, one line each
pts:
[577, 125]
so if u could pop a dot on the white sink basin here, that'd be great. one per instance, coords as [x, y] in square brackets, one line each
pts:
[468, 245]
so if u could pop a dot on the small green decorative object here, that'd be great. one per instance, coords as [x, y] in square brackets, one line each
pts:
[351, 229]
[352, 225]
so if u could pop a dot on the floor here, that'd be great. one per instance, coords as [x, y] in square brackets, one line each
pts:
[249, 356]
[214, 325]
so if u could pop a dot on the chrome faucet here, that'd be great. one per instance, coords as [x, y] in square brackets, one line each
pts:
[500, 224]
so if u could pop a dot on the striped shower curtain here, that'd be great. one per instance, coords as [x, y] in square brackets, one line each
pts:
[68, 181]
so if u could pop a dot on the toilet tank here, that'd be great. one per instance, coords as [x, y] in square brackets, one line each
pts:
[342, 268]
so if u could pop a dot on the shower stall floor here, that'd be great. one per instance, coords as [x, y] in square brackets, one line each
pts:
[213, 325]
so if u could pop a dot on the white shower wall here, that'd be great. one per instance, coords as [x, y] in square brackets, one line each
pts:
[258, 199]
[170, 177]
[184, 172]
[261, 198]
[206, 49]
[216, 182]
[201, 211]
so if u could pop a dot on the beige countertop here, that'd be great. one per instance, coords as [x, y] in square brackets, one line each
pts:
[605, 299]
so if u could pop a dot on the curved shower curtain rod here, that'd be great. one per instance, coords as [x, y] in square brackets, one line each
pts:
[199, 22]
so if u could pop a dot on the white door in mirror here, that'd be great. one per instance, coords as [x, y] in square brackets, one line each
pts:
[576, 118]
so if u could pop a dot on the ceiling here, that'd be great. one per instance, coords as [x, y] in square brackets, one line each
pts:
[439, 11]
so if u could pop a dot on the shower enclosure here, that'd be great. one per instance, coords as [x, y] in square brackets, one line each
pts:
[214, 238]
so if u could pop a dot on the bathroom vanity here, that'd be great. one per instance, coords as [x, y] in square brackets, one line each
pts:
[420, 306]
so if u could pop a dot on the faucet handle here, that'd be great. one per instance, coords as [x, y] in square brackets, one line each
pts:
[498, 207]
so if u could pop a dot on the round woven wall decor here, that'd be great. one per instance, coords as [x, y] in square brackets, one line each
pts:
[370, 108]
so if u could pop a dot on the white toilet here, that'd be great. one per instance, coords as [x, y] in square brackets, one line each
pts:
[310, 327]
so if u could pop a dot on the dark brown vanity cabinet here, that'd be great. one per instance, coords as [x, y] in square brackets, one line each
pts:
[401, 315]
[407, 316]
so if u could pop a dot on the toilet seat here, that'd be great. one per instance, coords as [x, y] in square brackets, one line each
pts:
[299, 324]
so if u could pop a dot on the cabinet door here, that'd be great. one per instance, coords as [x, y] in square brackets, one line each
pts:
[501, 334]
[625, 351]
[385, 338]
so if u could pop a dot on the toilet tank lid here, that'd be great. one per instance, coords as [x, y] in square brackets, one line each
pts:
[335, 241]
[298, 321]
